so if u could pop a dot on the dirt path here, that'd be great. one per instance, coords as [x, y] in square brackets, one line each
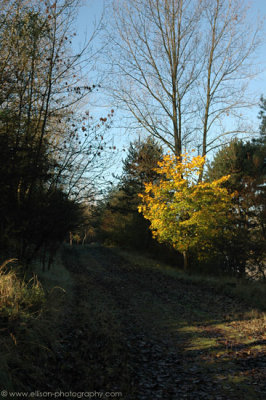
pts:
[149, 336]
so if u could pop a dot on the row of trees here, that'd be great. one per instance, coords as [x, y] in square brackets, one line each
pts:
[49, 149]
[180, 69]
[177, 66]
[218, 224]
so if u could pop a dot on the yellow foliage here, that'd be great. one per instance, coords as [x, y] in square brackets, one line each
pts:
[182, 211]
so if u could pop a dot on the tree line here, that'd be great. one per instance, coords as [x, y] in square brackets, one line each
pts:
[218, 224]
[50, 149]
[177, 71]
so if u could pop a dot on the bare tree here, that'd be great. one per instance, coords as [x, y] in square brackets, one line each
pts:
[43, 84]
[227, 70]
[180, 66]
[50, 150]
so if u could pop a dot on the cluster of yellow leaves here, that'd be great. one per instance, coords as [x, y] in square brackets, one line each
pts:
[186, 213]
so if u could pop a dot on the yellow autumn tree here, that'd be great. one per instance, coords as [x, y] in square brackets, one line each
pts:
[184, 212]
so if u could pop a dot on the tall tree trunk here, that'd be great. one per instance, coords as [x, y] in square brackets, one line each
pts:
[185, 255]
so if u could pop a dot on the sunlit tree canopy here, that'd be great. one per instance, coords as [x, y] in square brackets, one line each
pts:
[184, 212]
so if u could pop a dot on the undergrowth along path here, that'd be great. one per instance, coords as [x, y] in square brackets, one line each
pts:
[134, 329]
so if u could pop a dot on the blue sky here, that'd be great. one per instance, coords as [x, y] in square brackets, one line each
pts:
[92, 10]
[258, 9]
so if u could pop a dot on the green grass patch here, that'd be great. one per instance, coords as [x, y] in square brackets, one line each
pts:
[56, 278]
[199, 343]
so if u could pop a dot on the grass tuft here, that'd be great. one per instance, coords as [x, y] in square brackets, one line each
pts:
[18, 298]
[31, 314]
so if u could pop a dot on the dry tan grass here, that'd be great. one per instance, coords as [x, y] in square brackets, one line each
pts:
[29, 325]
[16, 295]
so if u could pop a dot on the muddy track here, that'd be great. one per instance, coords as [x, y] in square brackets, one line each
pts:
[122, 332]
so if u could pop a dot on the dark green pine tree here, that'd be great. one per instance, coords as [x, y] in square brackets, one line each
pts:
[139, 166]
[245, 162]
[262, 117]
[120, 219]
